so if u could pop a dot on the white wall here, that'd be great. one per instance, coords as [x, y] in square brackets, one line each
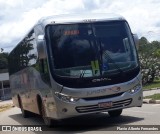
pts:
[4, 76]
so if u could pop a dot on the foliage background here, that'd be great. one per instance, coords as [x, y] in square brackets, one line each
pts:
[3, 62]
[149, 55]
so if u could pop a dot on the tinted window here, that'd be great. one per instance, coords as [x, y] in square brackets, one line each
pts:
[89, 50]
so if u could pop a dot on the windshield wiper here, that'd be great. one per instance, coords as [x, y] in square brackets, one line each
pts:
[82, 74]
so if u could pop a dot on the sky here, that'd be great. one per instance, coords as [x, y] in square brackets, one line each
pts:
[18, 16]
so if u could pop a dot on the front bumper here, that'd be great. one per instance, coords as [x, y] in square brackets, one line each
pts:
[83, 106]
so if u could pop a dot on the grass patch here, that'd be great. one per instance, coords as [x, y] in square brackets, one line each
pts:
[5, 107]
[155, 84]
[153, 97]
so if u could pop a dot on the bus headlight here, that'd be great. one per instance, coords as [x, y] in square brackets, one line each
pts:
[66, 98]
[135, 89]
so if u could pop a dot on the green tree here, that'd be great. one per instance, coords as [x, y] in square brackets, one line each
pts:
[3, 62]
[149, 54]
[143, 41]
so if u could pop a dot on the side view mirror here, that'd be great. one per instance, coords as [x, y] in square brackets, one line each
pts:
[41, 48]
[136, 39]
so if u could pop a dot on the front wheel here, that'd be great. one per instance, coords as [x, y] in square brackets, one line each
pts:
[115, 113]
[47, 121]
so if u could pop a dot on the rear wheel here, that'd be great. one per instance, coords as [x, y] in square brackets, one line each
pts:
[115, 113]
[25, 113]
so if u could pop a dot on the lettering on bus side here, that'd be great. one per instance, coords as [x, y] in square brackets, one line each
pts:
[89, 20]
[102, 91]
[99, 91]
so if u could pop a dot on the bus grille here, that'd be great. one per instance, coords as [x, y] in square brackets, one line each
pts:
[96, 108]
[103, 97]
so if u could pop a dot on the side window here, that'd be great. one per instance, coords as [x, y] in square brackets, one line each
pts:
[31, 48]
[24, 55]
[44, 71]
[43, 64]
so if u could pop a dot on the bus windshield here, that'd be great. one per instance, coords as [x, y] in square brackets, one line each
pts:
[91, 49]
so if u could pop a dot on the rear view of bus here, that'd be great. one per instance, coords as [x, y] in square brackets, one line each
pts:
[93, 66]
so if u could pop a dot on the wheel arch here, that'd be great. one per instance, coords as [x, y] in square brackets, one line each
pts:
[19, 101]
[39, 103]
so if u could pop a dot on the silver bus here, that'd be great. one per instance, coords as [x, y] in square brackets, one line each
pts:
[72, 65]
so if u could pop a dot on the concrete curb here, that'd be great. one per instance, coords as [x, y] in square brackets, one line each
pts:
[152, 89]
[150, 101]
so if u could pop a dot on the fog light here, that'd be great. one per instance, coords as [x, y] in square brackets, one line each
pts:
[132, 90]
[71, 99]
[135, 89]
[66, 98]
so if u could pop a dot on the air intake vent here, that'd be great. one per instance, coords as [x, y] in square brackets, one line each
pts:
[96, 108]
[103, 97]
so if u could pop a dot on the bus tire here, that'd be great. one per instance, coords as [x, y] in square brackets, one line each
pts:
[48, 121]
[25, 113]
[115, 113]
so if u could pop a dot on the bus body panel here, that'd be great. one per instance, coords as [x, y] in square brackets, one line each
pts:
[89, 97]
[55, 106]
[30, 82]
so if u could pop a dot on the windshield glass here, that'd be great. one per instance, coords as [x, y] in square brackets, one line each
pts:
[91, 49]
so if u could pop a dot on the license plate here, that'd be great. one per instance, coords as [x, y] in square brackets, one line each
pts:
[105, 104]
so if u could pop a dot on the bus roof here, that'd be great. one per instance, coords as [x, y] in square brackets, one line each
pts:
[76, 18]
[79, 18]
